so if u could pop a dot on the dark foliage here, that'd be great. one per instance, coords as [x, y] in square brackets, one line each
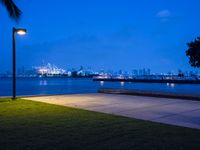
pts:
[12, 9]
[193, 52]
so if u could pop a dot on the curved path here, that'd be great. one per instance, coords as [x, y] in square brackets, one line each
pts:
[184, 113]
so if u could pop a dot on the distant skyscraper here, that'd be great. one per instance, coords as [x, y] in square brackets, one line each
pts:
[148, 72]
[135, 72]
[140, 72]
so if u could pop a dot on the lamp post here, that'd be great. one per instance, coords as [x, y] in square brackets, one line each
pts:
[19, 31]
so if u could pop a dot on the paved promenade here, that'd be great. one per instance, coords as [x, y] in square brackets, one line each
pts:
[184, 113]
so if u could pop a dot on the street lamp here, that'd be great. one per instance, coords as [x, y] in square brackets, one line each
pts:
[19, 31]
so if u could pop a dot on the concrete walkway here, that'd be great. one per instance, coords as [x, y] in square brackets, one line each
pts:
[184, 113]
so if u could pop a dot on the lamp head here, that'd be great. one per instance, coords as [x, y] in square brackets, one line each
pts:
[20, 31]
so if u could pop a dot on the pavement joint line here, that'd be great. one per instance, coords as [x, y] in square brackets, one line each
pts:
[146, 107]
[149, 107]
[176, 114]
[97, 106]
[77, 105]
[127, 110]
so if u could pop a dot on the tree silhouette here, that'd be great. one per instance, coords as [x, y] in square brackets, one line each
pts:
[193, 52]
[13, 10]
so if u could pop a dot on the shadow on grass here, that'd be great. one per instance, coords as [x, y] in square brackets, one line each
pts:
[5, 100]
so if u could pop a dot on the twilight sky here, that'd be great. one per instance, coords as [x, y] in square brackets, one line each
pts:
[102, 34]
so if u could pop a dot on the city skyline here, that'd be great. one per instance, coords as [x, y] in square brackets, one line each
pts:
[110, 35]
[49, 68]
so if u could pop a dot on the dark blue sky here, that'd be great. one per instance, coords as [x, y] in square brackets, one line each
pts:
[109, 34]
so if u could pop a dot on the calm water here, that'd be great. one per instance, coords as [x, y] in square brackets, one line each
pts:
[42, 86]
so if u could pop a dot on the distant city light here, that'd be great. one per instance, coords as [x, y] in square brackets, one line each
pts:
[49, 70]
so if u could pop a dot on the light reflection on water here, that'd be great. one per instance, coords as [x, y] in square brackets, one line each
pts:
[101, 83]
[43, 82]
[122, 83]
[172, 85]
[37, 86]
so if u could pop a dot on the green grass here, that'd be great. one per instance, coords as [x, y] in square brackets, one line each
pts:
[34, 125]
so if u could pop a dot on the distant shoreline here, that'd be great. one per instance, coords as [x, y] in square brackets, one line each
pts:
[79, 77]
[182, 81]
[177, 81]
